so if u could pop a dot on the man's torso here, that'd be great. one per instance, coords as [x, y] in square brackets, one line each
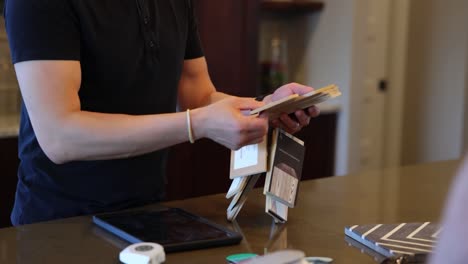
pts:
[131, 54]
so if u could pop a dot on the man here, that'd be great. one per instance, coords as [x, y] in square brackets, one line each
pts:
[100, 82]
[452, 246]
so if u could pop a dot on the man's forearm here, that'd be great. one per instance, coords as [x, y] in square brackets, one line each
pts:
[216, 96]
[198, 92]
[93, 136]
[195, 87]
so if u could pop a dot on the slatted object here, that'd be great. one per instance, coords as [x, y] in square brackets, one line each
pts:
[414, 240]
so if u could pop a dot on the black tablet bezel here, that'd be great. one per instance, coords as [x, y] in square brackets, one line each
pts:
[230, 238]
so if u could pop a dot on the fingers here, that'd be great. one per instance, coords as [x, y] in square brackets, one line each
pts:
[251, 130]
[288, 124]
[302, 118]
[254, 137]
[290, 88]
[227, 124]
[249, 138]
[253, 124]
[293, 125]
[276, 123]
[244, 130]
[247, 103]
[313, 111]
[280, 124]
[255, 140]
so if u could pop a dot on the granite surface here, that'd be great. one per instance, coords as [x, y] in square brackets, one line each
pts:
[315, 226]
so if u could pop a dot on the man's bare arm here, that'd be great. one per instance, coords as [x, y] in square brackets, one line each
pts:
[195, 86]
[197, 90]
[65, 132]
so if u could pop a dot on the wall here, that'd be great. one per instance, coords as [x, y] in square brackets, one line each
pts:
[465, 136]
[320, 53]
[324, 48]
[435, 84]
[328, 59]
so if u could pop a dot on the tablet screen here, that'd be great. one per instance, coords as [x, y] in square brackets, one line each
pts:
[173, 228]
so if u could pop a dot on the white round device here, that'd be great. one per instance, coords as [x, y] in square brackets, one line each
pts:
[143, 253]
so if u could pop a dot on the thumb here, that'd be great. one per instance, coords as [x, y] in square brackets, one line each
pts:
[248, 103]
[299, 88]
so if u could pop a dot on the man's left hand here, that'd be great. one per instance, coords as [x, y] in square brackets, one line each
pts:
[302, 116]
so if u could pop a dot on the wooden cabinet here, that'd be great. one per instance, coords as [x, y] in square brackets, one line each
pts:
[320, 139]
[9, 166]
[9, 107]
[229, 31]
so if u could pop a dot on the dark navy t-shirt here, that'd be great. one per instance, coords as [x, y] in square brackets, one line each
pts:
[131, 54]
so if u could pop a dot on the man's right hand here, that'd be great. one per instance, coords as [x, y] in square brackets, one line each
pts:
[225, 123]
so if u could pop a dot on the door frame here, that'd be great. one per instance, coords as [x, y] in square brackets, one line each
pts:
[396, 78]
[397, 61]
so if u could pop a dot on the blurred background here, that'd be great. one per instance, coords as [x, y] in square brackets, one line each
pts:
[402, 66]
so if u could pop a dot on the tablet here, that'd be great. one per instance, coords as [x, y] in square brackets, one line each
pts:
[173, 228]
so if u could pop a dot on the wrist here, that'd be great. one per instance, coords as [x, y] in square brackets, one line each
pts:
[197, 121]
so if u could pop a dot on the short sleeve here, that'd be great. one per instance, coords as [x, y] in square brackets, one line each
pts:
[193, 48]
[42, 30]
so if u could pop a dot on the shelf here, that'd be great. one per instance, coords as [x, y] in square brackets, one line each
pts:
[291, 7]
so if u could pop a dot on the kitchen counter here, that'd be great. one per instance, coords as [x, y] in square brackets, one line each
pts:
[315, 225]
